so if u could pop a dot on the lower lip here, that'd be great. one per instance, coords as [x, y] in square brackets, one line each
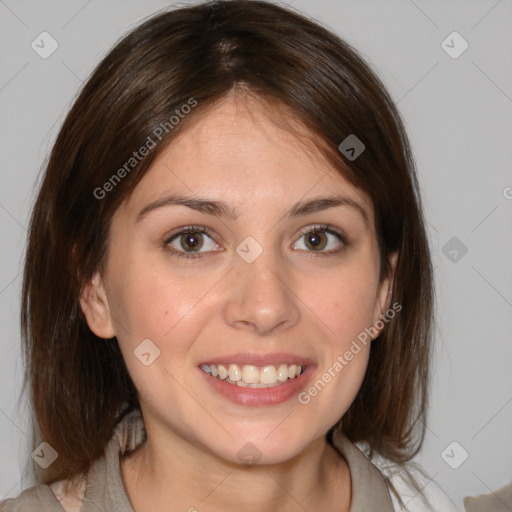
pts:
[259, 396]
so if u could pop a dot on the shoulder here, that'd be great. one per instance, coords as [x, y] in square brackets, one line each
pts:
[417, 490]
[63, 495]
[70, 492]
[35, 498]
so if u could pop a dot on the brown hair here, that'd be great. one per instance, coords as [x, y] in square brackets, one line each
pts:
[79, 384]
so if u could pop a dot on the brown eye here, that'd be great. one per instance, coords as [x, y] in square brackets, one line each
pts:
[321, 239]
[191, 241]
[316, 240]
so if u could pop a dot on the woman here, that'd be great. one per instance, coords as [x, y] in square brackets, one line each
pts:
[227, 281]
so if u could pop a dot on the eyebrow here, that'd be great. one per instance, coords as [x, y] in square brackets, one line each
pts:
[222, 209]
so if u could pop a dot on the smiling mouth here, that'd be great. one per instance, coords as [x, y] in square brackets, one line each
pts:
[251, 376]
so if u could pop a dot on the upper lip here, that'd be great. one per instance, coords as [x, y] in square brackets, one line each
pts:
[255, 359]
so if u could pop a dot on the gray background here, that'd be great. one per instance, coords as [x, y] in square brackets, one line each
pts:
[457, 112]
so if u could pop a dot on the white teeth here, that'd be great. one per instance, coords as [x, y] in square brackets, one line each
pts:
[253, 376]
[268, 375]
[250, 374]
[282, 373]
[223, 373]
[234, 373]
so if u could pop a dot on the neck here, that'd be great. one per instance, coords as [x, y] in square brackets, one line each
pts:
[170, 474]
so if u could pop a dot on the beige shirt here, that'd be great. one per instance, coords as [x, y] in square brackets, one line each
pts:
[105, 490]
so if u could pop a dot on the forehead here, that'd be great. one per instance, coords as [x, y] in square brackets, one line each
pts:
[241, 150]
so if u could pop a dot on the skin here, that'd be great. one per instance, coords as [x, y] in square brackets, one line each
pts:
[290, 299]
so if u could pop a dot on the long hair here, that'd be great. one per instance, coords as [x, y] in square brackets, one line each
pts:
[79, 385]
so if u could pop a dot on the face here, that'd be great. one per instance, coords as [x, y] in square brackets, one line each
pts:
[268, 284]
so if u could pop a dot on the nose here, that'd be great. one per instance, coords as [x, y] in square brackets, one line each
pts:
[259, 296]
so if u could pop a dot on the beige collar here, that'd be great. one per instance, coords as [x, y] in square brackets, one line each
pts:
[369, 489]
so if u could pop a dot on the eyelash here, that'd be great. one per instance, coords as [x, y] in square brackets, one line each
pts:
[323, 228]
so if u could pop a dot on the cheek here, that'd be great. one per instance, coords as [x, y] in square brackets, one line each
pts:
[151, 303]
[344, 302]
[345, 306]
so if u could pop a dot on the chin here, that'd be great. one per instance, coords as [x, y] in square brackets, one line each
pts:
[262, 449]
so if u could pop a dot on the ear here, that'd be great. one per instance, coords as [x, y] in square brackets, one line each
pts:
[384, 293]
[94, 303]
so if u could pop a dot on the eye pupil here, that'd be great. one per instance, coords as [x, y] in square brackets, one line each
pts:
[316, 239]
[191, 241]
